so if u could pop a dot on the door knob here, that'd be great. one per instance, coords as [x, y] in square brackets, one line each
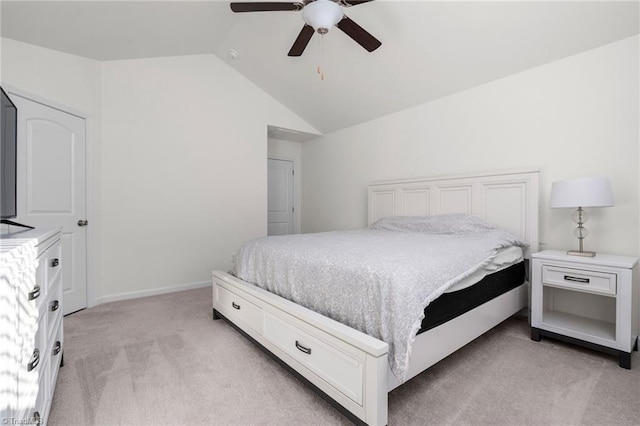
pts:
[83, 222]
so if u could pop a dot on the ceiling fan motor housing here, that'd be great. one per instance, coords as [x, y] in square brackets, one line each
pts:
[322, 15]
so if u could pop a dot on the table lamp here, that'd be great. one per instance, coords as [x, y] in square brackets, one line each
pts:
[579, 193]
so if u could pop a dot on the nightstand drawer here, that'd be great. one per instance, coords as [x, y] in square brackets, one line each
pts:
[579, 279]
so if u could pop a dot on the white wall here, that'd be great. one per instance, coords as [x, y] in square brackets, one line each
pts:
[292, 151]
[177, 161]
[184, 169]
[575, 117]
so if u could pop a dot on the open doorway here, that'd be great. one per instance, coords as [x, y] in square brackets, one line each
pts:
[286, 152]
[286, 145]
[280, 201]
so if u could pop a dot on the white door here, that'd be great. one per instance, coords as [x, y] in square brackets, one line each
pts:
[280, 197]
[51, 187]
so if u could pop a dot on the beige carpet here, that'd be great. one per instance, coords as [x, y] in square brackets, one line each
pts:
[163, 360]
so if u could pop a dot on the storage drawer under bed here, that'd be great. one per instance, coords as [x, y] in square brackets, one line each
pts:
[346, 365]
[343, 372]
[239, 308]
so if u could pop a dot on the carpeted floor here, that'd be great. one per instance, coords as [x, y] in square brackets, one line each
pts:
[163, 360]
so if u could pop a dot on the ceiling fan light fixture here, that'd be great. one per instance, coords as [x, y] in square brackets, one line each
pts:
[322, 15]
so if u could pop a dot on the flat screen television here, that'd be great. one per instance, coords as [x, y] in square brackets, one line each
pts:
[8, 150]
[8, 161]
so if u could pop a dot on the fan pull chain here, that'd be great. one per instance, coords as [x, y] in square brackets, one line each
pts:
[319, 69]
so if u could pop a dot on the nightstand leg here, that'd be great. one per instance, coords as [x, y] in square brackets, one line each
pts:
[624, 359]
[215, 315]
[535, 334]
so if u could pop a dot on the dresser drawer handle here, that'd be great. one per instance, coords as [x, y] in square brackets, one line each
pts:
[55, 305]
[35, 360]
[57, 348]
[35, 293]
[303, 349]
[36, 418]
[55, 262]
[576, 279]
[235, 306]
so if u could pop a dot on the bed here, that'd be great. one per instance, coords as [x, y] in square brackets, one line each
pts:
[351, 368]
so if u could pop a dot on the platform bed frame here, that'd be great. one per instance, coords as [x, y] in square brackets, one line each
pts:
[351, 368]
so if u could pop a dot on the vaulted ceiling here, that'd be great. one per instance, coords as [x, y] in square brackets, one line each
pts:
[430, 49]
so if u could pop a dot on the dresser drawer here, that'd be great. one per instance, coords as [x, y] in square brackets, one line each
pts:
[48, 270]
[53, 262]
[54, 307]
[34, 352]
[579, 279]
[55, 355]
[337, 368]
[37, 293]
[238, 308]
[32, 370]
[38, 414]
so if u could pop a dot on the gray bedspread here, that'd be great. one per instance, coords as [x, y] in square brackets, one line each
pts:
[377, 280]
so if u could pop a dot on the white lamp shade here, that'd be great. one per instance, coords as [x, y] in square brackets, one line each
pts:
[585, 192]
[322, 14]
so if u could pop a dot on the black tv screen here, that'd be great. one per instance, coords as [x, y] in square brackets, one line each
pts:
[8, 145]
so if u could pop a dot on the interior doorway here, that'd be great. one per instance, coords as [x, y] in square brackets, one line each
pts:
[51, 184]
[280, 202]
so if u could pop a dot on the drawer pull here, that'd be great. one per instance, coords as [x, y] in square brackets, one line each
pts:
[55, 262]
[235, 306]
[35, 293]
[36, 418]
[303, 349]
[576, 279]
[55, 305]
[35, 360]
[57, 348]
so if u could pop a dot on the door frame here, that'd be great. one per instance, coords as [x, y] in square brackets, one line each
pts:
[297, 182]
[89, 181]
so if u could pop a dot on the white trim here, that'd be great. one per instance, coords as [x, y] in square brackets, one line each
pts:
[45, 101]
[92, 228]
[152, 292]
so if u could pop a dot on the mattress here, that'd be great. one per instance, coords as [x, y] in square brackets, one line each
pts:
[455, 303]
[506, 257]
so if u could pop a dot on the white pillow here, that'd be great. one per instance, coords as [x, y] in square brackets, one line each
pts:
[457, 223]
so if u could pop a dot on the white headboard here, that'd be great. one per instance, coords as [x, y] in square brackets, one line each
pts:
[506, 199]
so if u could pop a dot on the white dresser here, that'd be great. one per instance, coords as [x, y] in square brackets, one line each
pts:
[31, 335]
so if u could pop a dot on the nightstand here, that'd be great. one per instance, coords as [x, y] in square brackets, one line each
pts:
[589, 301]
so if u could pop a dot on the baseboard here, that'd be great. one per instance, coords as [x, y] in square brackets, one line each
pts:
[151, 292]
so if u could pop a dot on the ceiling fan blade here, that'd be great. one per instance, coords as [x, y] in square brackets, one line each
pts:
[266, 7]
[359, 34]
[301, 42]
[353, 2]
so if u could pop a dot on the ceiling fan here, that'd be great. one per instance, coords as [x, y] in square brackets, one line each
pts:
[318, 15]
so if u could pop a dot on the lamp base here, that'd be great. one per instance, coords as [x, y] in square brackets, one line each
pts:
[581, 253]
